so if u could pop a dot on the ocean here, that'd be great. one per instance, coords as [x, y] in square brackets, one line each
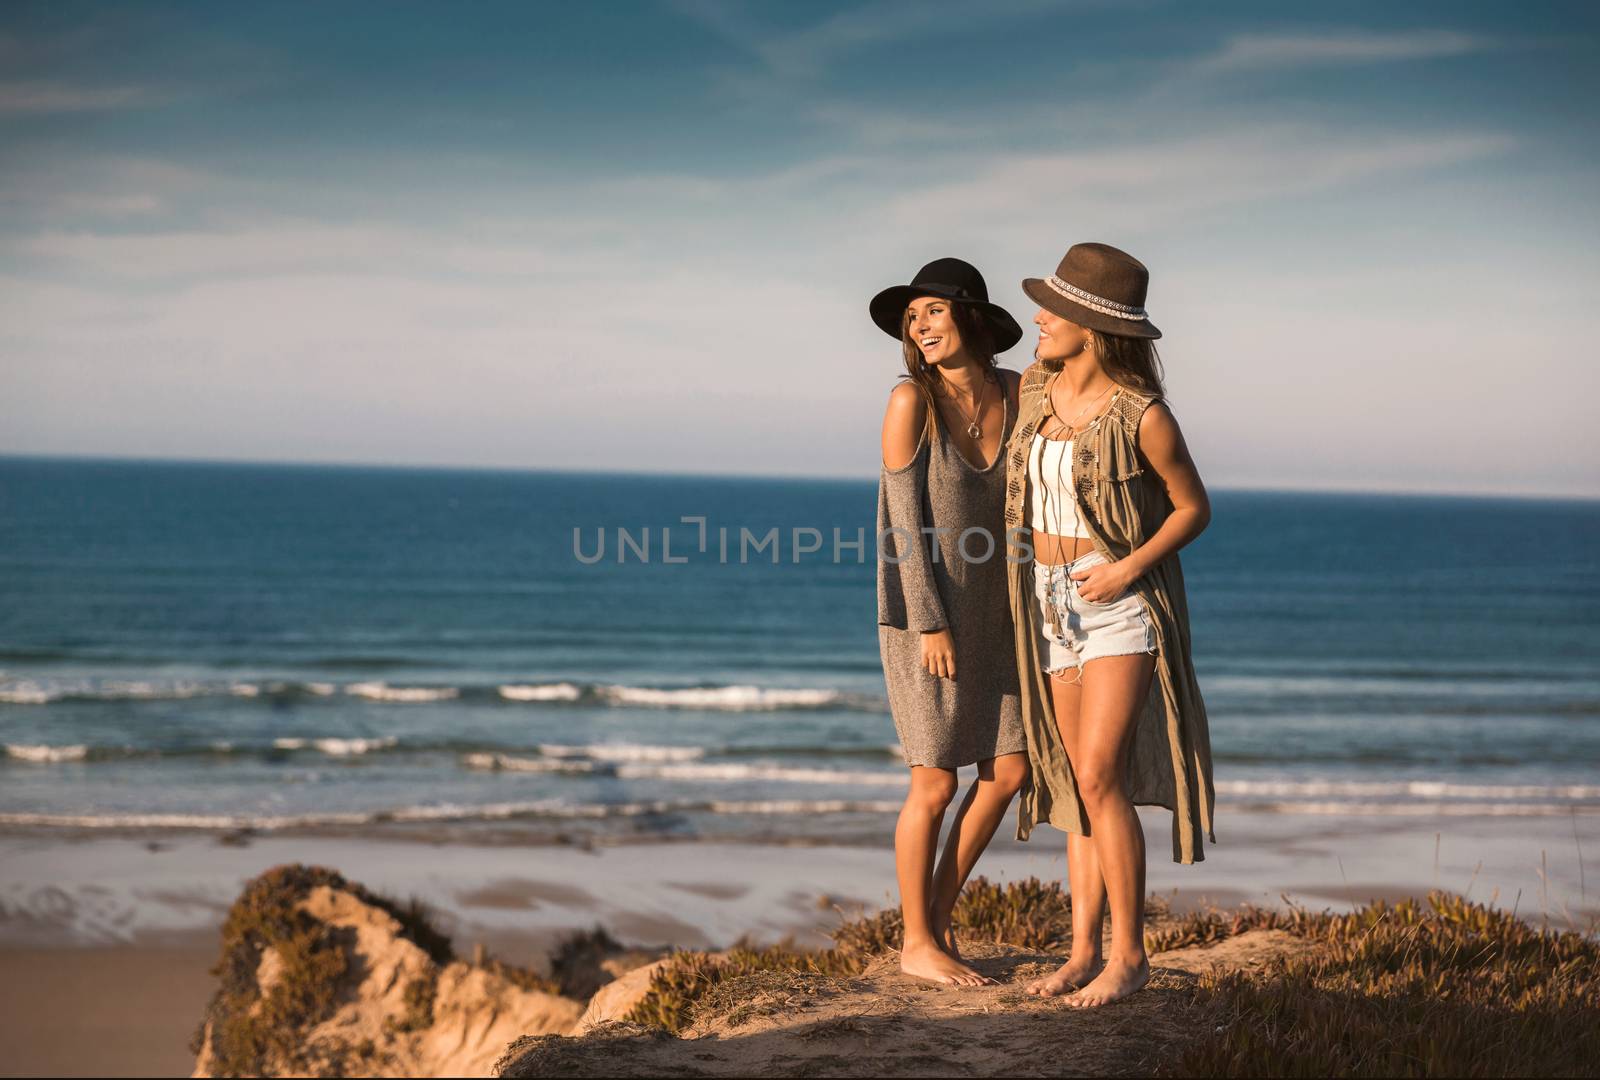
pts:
[226, 647]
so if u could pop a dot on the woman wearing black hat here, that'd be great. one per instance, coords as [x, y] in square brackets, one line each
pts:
[944, 626]
[1099, 473]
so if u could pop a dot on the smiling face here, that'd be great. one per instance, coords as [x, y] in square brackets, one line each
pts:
[931, 328]
[1059, 340]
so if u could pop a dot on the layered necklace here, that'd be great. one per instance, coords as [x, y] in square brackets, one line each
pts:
[1070, 426]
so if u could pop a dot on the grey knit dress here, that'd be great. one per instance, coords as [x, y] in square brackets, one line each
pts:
[942, 580]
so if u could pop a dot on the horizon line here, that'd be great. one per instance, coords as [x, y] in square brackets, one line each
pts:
[140, 459]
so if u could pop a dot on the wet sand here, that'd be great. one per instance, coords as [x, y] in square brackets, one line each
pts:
[119, 1010]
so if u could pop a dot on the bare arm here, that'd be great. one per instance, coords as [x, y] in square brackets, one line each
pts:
[902, 425]
[1162, 446]
[1161, 443]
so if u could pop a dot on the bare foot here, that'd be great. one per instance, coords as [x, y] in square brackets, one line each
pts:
[946, 937]
[1069, 976]
[933, 963]
[1117, 981]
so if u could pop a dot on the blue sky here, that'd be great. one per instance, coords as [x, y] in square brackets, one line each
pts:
[643, 236]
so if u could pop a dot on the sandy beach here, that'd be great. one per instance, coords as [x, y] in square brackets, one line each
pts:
[104, 1010]
[108, 940]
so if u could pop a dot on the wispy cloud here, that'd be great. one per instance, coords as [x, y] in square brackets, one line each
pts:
[58, 97]
[72, 188]
[811, 50]
[1266, 52]
[303, 248]
[834, 38]
[1141, 187]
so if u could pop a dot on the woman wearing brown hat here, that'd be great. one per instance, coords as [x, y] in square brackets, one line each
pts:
[1098, 471]
[944, 621]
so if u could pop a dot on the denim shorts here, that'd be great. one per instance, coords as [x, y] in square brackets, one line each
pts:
[1073, 631]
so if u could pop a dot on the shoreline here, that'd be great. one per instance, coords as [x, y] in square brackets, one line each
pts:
[61, 888]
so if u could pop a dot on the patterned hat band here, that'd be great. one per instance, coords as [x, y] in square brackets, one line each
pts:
[1095, 303]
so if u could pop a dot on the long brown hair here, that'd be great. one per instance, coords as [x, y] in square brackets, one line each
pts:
[1130, 361]
[977, 341]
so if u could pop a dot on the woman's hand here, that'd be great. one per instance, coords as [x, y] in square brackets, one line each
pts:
[939, 653]
[1105, 582]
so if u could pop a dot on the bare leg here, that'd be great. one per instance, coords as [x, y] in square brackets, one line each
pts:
[1114, 690]
[915, 837]
[1084, 882]
[999, 780]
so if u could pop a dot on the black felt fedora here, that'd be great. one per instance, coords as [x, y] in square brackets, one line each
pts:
[955, 280]
[1098, 286]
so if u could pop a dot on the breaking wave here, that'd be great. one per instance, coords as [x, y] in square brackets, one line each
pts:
[721, 698]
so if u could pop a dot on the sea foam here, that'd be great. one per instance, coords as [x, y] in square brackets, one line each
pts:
[41, 755]
[620, 751]
[729, 698]
[562, 691]
[381, 691]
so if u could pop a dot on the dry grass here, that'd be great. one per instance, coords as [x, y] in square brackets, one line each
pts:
[691, 975]
[1206, 927]
[1031, 914]
[1440, 987]
[735, 1002]
[1027, 913]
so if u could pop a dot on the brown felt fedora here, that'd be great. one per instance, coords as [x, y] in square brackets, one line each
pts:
[1100, 287]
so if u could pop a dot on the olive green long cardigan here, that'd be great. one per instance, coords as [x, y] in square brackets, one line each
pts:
[1123, 505]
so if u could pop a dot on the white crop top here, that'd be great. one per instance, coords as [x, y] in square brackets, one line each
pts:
[1051, 506]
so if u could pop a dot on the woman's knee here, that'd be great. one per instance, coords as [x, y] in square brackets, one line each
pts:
[1098, 784]
[932, 789]
[1007, 773]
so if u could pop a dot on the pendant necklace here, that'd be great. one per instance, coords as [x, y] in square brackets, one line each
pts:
[974, 432]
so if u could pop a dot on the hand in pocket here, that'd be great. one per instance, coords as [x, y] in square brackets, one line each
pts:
[1104, 583]
[939, 653]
